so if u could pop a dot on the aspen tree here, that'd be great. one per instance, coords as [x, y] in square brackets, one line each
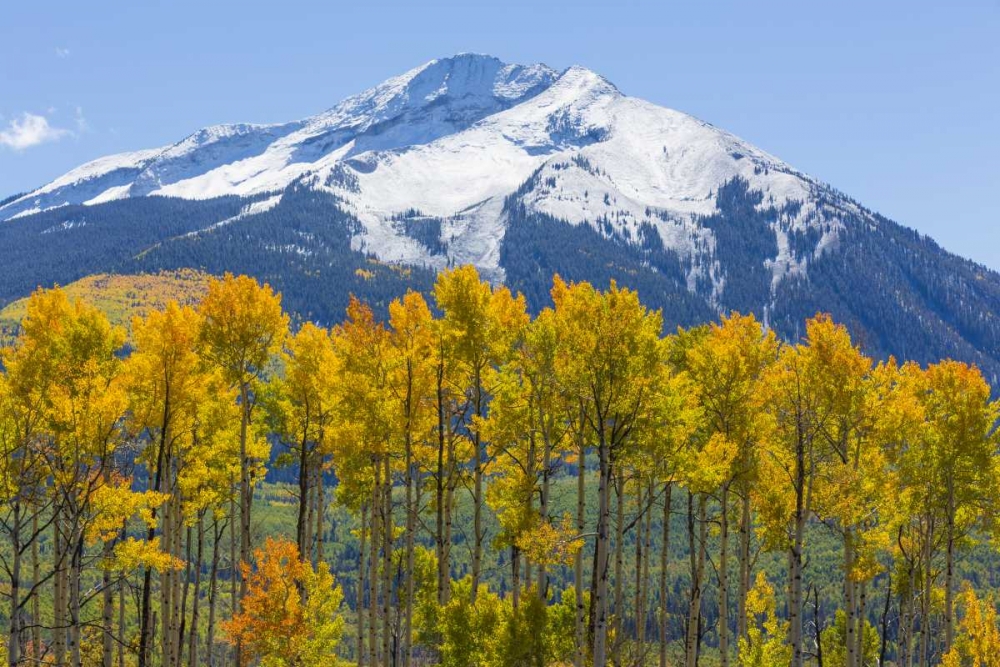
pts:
[850, 497]
[796, 453]
[411, 384]
[302, 412]
[525, 429]
[609, 360]
[85, 406]
[290, 615]
[164, 378]
[669, 443]
[726, 366]
[26, 498]
[363, 457]
[978, 638]
[243, 328]
[962, 441]
[482, 325]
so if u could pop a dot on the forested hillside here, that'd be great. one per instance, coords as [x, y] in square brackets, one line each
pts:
[123, 297]
[896, 291]
[302, 247]
[469, 481]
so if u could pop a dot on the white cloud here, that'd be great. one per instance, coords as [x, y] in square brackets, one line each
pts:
[81, 122]
[29, 130]
[62, 53]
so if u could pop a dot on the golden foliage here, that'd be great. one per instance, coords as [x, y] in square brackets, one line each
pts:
[977, 643]
[124, 297]
[290, 615]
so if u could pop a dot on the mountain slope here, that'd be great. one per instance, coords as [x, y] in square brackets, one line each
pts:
[451, 140]
[122, 297]
[522, 171]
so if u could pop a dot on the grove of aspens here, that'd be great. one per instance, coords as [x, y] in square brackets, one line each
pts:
[471, 484]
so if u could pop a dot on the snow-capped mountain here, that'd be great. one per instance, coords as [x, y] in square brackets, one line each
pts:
[523, 171]
[451, 140]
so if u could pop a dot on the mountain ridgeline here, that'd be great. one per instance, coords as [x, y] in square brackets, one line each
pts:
[524, 172]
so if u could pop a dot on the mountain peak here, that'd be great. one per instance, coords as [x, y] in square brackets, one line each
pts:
[460, 89]
[584, 74]
[478, 76]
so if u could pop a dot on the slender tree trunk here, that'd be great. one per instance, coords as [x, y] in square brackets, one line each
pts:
[234, 566]
[884, 642]
[59, 593]
[167, 589]
[75, 600]
[121, 616]
[643, 604]
[156, 484]
[373, 658]
[313, 523]
[698, 556]
[145, 615]
[850, 603]
[818, 622]
[619, 598]
[302, 519]
[246, 503]
[184, 594]
[196, 598]
[640, 571]
[362, 585]
[599, 594]
[903, 649]
[515, 576]
[449, 506]
[411, 528]
[387, 547]
[246, 499]
[179, 581]
[543, 577]
[859, 636]
[36, 607]
[581, 478]
[724, 578]
[906, 613]
[949, 570]
[903, 635]
[320, 513]
[664, 560]
[15, 617]
[477, 482]
[443, 582]
[107, 611]
[166, 580]
[532, 474]
[925, 602]
[795, 551]
[213, 589]
[795, 597]
[744, 565]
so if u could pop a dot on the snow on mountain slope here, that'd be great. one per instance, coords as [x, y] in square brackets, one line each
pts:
[448, 142]
[440, 97]
[99, 180]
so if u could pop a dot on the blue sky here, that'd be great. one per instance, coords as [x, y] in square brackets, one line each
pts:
[895, 103]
